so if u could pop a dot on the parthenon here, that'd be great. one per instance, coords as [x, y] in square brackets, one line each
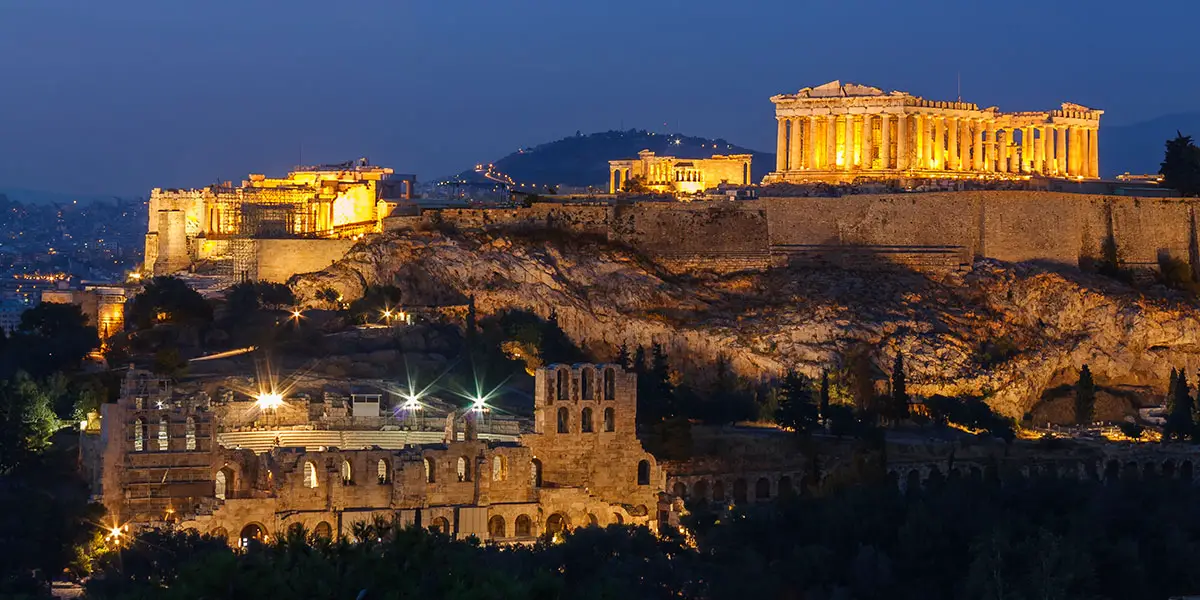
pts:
[837, 132]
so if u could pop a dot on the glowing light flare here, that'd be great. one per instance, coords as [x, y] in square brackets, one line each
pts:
[269, 400]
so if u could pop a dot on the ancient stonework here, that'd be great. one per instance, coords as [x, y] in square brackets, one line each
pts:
[668, 174]
[837, 132]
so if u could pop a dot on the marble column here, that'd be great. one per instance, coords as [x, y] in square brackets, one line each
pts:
[1002, 151]
[867, 160]
[920, 141]
[1094, 152]
[1026, 149]
[1038, 145]
[977, 152]
[1072, 150]
[831, 143]
[1060, 151]
[810, 146]
[848, 142]
[781, 147]
[940, 143]
[952, 143]
[795, 156]
[964, 144]
[902, 142]
[885, 141]
[1047, 150]
[989, 150]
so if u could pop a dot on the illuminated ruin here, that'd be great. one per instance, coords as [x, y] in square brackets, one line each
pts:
[326, 202]
[668, 174]
[837, 132]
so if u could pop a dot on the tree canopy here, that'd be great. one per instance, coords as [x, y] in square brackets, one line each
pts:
[1180, 167]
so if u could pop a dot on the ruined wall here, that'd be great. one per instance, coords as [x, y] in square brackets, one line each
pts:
[681, 231]
[279, 259]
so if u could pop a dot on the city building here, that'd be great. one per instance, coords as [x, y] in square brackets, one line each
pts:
[248, 467]
[681, 176]
[10, 314]
[104, 305]
[220, 223]
[837, 132]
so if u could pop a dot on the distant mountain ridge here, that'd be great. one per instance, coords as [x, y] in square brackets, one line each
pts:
[582, 160]
[1139, 148]
[43, 197]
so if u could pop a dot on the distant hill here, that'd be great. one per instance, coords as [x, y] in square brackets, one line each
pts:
[582, 160]
[42, 197]
[1139, 148]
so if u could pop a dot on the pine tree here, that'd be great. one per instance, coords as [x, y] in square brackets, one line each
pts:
[1169, 401]
[660, 373]
[623, 356]
[639, 360]
[1179, 421]
[1180, 167]
[824, 407]
[898, 411]
[1085, 397]
[796, 408]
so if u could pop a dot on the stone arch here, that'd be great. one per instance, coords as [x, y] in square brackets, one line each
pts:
[587, 384]
[382, 472]
[190, 434]
[562, 385]
[762, 489]
[524, 526]
[347, 473]
[610, 420]
[219, 532]
[610, 384]
[1185, 471]
[499, 468]
[564, 420]
[700, 490]
[739, 491]
[1112, 470]
[323, 531]
[592, 520]
[935, 477]
[496, 529]
[679, 489]
[912, 481]
[785, 487]
[1130, 471]
[252, 532]
[164, 436]
[462, 469]
[223, 487]
[718, 491]
[430, 470]
[310, 474]
[1149, 469]
[295, 530]
[976, 473]
[643, 472]
[557, 523]
[139, 435]
[536, 472]
[440, 525]
[585, 420]
[618, 519]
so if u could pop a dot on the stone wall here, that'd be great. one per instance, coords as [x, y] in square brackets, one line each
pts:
[278, 260]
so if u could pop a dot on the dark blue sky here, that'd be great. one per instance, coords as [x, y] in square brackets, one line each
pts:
[123, 95]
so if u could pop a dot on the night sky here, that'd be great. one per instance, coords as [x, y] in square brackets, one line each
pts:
[120, 96]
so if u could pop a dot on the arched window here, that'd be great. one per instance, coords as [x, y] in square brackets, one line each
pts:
[139, 435]
[739, 491]
[585, 421]
[496, 527]
[524, 526]
[610, 384]
[219, 532]
[718, 491]
[679, 489]
[535, 472]
[310, 475]
[220, 485]
[190, 433]
[762, 489]
[643, 473]
[347, 473]
[700, 490]
[323, 530]
[430, 471]
[463, 470]
[499, 468]
[164, 443]
[610, 420]
[382, 472]
[564, 420]
[556, 523]
[563, 385]
[440, 525]
[587, 384]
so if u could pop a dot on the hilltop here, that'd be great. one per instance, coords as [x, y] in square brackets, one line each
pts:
[582, 160]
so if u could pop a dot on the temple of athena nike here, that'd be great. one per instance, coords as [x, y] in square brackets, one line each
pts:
[837, 132]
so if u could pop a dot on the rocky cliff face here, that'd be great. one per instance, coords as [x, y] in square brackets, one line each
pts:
[1008, 331]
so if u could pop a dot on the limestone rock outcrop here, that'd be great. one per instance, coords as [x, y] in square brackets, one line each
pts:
[1009, 332]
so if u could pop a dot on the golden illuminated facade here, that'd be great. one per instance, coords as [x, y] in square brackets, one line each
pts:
[324, 202]
[684, 176]
[837, 132]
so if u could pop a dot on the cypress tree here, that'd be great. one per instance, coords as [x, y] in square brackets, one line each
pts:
[899, 400]
[824, 406]
[623, 356]
[796, 409]
[1179, 421]
[1085, 397]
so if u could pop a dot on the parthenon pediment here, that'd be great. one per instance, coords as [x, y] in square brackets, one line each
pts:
[835, 89]
[1075, 107]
